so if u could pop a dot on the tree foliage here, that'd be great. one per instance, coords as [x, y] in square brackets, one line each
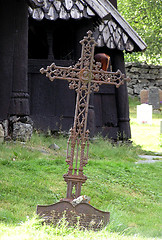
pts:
[144, 16]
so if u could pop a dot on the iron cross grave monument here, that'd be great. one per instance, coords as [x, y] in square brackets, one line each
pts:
[84, 77]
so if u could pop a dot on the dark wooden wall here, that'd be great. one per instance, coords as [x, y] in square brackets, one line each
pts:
[52, 104]
[106, 117]
[6, 56]
[13, 56]
[111, 104]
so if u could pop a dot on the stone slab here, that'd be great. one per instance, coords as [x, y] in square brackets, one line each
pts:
[149, 159]
[154, 97]
[83, 214]
[160, 96]
[144, 114]
[144, 96]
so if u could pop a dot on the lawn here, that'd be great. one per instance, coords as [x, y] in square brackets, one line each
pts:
[147, 136]
[31, 174]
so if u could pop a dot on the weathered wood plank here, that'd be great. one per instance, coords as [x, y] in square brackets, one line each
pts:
[99, 8]
[52, 14]
[63, 13]
[129, 30]
[79, 5]
[57, 5]
[75, 13]
[69, 4]
[38, 14]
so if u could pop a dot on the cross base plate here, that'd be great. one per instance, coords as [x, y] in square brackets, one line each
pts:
[83, 214]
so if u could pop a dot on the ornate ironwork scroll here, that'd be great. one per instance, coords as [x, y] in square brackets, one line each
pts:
[84, 77]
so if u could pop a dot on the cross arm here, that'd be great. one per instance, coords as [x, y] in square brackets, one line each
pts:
[111, 78]
[65, 73]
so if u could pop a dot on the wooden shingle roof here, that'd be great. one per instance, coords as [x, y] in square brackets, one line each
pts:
[113, 32]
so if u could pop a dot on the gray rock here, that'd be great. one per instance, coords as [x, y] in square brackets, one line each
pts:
[26, 119]
[152, 83]
[134, 70]
[155, 66]
[1, 133]
[141, 65]
[159, 82]
[144, 70]
[147, 76]
[5, 127]
[14, 119]
[137, 89]
[154, 71]
[22, 131]
[143, 76]
[128, 64]
[130, 91]
[54, 146]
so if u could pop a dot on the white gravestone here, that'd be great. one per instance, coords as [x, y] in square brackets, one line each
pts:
[144, 114]
[160, 126]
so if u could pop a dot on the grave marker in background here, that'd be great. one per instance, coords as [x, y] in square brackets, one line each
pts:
[154, 97]
[144, 96]
[144, 114]
[160, 126]
[160, 96]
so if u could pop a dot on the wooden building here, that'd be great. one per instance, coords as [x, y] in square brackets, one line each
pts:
[36, 33]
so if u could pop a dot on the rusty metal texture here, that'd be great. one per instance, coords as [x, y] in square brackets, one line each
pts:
[85, 76]
[83, 214]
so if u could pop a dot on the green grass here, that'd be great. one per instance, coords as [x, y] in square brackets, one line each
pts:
[31, 229]
[31, 174]
[145, 135]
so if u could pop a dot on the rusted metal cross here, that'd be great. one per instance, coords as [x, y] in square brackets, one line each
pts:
[85, 76]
